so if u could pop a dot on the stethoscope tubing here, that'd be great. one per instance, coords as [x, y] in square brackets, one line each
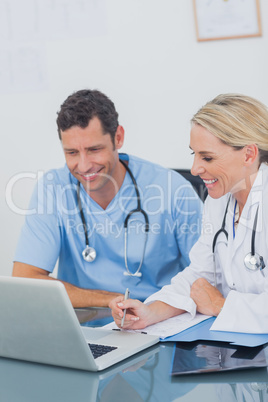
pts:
[89, 254]
[222, 229]
[82, 214]
[252, 260]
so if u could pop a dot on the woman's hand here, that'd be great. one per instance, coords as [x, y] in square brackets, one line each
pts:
[207, 298]
[138, 315]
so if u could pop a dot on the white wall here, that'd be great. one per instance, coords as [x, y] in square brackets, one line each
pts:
[146, 58]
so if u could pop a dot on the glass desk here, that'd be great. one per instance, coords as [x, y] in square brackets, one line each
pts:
[144, 377]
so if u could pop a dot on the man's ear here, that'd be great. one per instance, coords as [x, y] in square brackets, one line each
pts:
[251, 154]
[119, 137]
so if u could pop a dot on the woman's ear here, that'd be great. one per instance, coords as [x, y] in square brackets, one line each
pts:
[251, 154]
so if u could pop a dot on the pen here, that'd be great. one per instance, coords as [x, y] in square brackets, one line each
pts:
[126, 297]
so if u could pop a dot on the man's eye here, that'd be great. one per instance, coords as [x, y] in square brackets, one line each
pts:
[207, 159]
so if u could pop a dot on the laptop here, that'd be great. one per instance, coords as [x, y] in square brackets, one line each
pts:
[39, 324]
[65, 384]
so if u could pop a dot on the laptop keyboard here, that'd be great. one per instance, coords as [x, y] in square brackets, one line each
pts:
[99, 350]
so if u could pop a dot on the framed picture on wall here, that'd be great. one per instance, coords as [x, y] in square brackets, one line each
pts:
[227, 19]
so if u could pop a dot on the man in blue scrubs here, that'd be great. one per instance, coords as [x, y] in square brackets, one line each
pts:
[88, 200]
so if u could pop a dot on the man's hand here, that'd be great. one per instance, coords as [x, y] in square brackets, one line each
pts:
[207, 298]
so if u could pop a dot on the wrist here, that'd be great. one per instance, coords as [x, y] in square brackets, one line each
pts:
[219, 307]
[160, 311]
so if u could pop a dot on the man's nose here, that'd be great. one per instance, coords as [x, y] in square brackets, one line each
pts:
[84, 163]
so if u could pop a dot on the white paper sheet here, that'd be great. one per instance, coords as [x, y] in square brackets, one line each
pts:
[169, 327]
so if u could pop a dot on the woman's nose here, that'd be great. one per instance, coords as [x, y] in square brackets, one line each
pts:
[197, 168]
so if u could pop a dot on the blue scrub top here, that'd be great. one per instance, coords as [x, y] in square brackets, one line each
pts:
[53, 230]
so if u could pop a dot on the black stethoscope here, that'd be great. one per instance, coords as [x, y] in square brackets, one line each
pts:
[89, 254]
[252, 260]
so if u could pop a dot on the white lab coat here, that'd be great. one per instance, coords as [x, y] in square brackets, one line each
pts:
[246, 292]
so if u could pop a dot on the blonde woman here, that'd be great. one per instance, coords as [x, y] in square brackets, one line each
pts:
[228, 273]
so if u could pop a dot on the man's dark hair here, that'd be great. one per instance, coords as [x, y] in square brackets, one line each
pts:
[80, 107]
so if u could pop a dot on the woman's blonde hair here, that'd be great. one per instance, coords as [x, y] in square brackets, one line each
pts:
[237, 120]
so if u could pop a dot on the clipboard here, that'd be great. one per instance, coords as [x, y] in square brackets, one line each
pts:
[201, 332]
[215, 357]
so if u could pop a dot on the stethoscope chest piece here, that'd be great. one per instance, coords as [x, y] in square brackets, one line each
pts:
[253, 262]
[89, 254]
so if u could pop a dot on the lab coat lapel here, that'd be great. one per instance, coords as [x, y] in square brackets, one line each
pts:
[243, 233]
[246, 221]
[245, 226]
[230, 248]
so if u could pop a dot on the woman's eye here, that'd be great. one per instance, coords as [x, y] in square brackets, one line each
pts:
[207, 159]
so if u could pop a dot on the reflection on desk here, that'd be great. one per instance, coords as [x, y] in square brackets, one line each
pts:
[143, 377]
